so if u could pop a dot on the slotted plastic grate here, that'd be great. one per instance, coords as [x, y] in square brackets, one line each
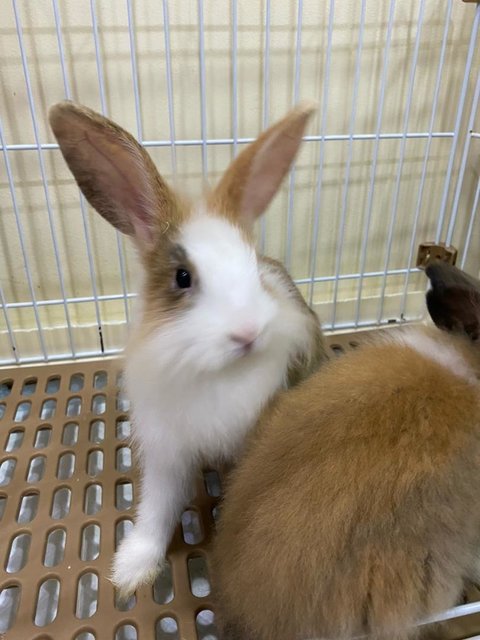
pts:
[66, 499]
[67, 490]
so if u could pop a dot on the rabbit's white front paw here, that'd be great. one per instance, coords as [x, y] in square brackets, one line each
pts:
[136, 562]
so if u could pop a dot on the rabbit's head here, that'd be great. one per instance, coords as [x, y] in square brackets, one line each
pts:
[203, 295]
[453, 299]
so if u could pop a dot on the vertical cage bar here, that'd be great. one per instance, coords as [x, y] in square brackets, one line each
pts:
[168, 65]
[323, 128]
[133, 60]
[266, 67]
[471, 222]
[373, 170]
[101, 86]
[83, 207]
[91, 266]
[98, 57]
[403, 144]
[11, 336]
[58, 30]
[433, 114]
[266, 104]
[463, 164]
[121, 260]
[296, 87]
[458, 121]
[21, 237]
[346, 181]
[234, 76]
[203, 98]
[43, 174]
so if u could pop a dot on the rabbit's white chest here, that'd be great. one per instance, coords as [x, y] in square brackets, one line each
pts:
[209, 418]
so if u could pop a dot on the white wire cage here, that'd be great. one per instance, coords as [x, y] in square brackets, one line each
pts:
[389, 162]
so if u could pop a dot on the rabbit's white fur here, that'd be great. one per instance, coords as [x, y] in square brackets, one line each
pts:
[444, 354]
[182, 418]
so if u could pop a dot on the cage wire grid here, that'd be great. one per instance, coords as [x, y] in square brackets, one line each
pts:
[461, 136]
[454, 220]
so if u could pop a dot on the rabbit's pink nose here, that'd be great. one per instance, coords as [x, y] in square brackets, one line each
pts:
[245, 337]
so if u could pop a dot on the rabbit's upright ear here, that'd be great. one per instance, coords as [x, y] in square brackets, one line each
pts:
[114, 172]
[454, 299]
[253, 178]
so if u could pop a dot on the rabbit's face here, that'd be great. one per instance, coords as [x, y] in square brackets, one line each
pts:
[203, 297]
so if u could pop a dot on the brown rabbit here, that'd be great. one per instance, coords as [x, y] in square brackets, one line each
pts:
[356, 509]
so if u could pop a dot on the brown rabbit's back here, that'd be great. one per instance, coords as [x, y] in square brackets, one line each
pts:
[352, 512]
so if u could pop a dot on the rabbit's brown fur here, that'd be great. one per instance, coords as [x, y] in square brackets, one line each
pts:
[352, 512]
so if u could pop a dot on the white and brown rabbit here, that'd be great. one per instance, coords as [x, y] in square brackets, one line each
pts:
[219, 329]
[355, 510]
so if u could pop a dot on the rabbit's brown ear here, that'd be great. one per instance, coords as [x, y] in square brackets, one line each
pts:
[114, 172]
[453, 301]
[253, 178]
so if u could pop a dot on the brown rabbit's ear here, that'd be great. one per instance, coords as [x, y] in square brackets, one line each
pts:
[114, 172]
[251, 181]
[453, 301]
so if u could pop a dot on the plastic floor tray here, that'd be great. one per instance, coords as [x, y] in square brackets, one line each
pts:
[67, 490]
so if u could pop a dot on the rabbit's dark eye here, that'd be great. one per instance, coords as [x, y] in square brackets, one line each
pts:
[183, 279]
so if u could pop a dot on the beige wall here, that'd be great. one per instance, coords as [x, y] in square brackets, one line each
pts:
[41, 48]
